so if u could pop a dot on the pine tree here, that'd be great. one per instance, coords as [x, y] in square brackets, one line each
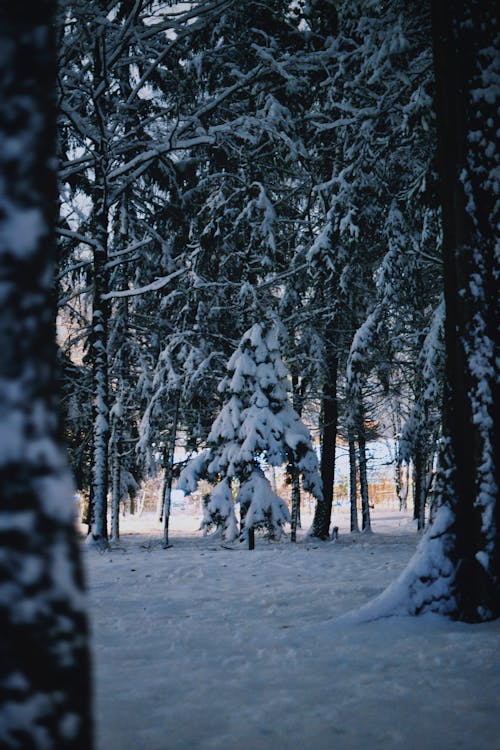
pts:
[374, 233]
[256, 424]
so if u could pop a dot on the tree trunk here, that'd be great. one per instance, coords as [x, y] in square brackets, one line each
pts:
[465, 39]
[456, 571]
[400, 482]
[405, 480]
[353, 495]
[44, 668]
[298, 393]
[249, 534]
[251, 538]
[295, 503]
[100, 318]
[323, 511]
[116, 485]
[419, 486]
[169, 474]
[416, 490]
[363, 481]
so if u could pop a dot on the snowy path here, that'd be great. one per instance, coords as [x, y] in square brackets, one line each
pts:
[202, 648]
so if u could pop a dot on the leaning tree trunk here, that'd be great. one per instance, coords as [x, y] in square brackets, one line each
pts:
[456, 570]
[44, 670]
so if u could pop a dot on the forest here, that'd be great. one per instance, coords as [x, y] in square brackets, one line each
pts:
[234, 235]
[215, 176]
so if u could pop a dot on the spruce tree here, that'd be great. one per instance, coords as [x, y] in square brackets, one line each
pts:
[256, 425]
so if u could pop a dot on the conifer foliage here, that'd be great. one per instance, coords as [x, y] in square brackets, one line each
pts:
[456, 569]
[255, 425]
[226, 162]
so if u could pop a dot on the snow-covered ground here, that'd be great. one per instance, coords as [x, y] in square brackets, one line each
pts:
[198, 647]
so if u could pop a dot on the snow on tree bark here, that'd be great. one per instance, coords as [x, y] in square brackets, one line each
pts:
[467, 60]
[456, 569]
[44, 672]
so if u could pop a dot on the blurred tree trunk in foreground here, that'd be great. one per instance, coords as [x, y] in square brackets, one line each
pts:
[44, 672]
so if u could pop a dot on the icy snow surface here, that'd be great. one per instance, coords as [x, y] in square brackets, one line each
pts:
[198, 647]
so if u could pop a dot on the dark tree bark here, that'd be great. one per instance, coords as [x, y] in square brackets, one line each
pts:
[419, 483]
[116, 483]
[169, 472]
[466, 52]
[456, 571]
[44, 668]
[295, 503]
[298, 390]
[353, 495]
[100, 318]
[323, 511]
[363, 480]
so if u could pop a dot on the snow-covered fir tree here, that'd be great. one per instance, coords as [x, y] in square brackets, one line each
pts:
[256, 425]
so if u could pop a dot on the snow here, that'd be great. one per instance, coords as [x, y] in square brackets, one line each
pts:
[264, 507]
[209, 648]
[255, 422]
[218, 511]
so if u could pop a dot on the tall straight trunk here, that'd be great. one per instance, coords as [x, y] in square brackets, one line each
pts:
[299, 513]
[100, 318]
[323, 511]
[99, 340]
[466, 44]
[116, 484]
[44, 667]
[118, 354]
[297, 401]
[353, 495]
[169, 473]
[417, 483]
[88, 518]
[363, 480]
[404, 487]
[419, 487]
[400, 478]
[295, 503]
